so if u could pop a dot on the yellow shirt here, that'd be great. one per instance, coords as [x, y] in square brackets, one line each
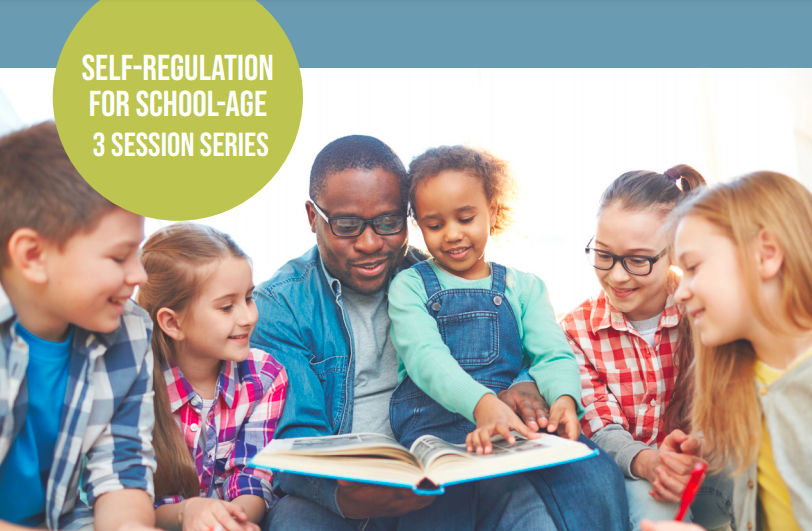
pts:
[772, 491]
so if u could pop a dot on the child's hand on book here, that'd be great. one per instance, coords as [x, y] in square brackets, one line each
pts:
[564, 419]
[494, 416]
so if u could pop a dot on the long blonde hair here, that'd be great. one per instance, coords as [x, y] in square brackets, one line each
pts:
[172, 258]
[726, 407]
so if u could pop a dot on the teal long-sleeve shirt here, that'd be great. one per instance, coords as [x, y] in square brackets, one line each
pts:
[428, 361]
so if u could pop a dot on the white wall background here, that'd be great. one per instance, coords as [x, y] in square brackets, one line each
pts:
[567, 133]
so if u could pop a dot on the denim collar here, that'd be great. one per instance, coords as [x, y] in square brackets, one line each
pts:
[334, 283]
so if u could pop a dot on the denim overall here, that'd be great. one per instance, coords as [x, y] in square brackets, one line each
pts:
[479, 327]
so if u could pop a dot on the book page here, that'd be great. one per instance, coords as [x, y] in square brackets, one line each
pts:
[367, 445]
[449, 467]
[333, 444]
[378, 459]
[366, 457]
[428, 448]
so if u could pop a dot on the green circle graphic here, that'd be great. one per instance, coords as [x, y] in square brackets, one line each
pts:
[219, 88]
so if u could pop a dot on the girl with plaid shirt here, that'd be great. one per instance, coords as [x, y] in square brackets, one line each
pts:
[217, 401]
[634, 348]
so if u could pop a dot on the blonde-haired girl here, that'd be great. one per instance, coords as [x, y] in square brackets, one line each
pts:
[746, 253]
[217, 401]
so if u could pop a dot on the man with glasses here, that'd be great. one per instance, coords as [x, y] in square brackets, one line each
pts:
[324, 317]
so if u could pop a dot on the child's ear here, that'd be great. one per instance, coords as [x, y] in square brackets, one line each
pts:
[769, 255]
[28, 252]
[169, 321]
[493, 210]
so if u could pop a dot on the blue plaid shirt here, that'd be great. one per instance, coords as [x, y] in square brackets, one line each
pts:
[107, 414]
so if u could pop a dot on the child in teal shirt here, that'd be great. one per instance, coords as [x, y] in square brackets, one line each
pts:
[463, 327]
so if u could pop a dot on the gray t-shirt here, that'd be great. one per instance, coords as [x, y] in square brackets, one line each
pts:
[647, 328]
[376, 364]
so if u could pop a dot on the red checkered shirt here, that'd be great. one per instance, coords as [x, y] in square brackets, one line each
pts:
[624, 380]
[248, 403]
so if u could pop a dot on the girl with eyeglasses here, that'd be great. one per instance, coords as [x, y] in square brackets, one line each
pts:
[634, 347]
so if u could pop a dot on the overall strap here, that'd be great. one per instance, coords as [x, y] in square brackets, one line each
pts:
[498, 281]
[430, 280]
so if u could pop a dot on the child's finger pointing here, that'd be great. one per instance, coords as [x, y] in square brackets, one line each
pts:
[485, 440]
[524, 430]
[504, 431]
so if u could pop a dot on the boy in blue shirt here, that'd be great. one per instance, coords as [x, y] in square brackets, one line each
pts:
[75, 357]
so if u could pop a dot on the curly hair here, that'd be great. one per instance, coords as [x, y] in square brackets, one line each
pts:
[497, 180]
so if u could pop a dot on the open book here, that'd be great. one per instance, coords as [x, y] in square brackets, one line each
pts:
[426, 468]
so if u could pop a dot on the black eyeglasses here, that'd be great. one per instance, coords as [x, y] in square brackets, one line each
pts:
[351, 226]
[635, 264]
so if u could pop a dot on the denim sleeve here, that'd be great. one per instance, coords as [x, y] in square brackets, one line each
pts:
[304, 414]
[122, 457]
[277, 330]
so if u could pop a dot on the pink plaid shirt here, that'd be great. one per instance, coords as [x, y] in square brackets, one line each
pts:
[248, 403]
[624, 380]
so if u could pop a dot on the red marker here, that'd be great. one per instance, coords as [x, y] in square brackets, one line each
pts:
[691, 489]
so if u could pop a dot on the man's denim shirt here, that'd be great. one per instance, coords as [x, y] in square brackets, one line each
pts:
[302, 321]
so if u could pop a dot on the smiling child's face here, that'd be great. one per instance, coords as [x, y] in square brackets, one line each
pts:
[639, 232]
[218, 324]
[712, 287]
[91, 276]
[456, 218]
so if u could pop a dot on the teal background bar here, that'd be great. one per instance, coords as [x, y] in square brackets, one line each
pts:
[485, 33]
